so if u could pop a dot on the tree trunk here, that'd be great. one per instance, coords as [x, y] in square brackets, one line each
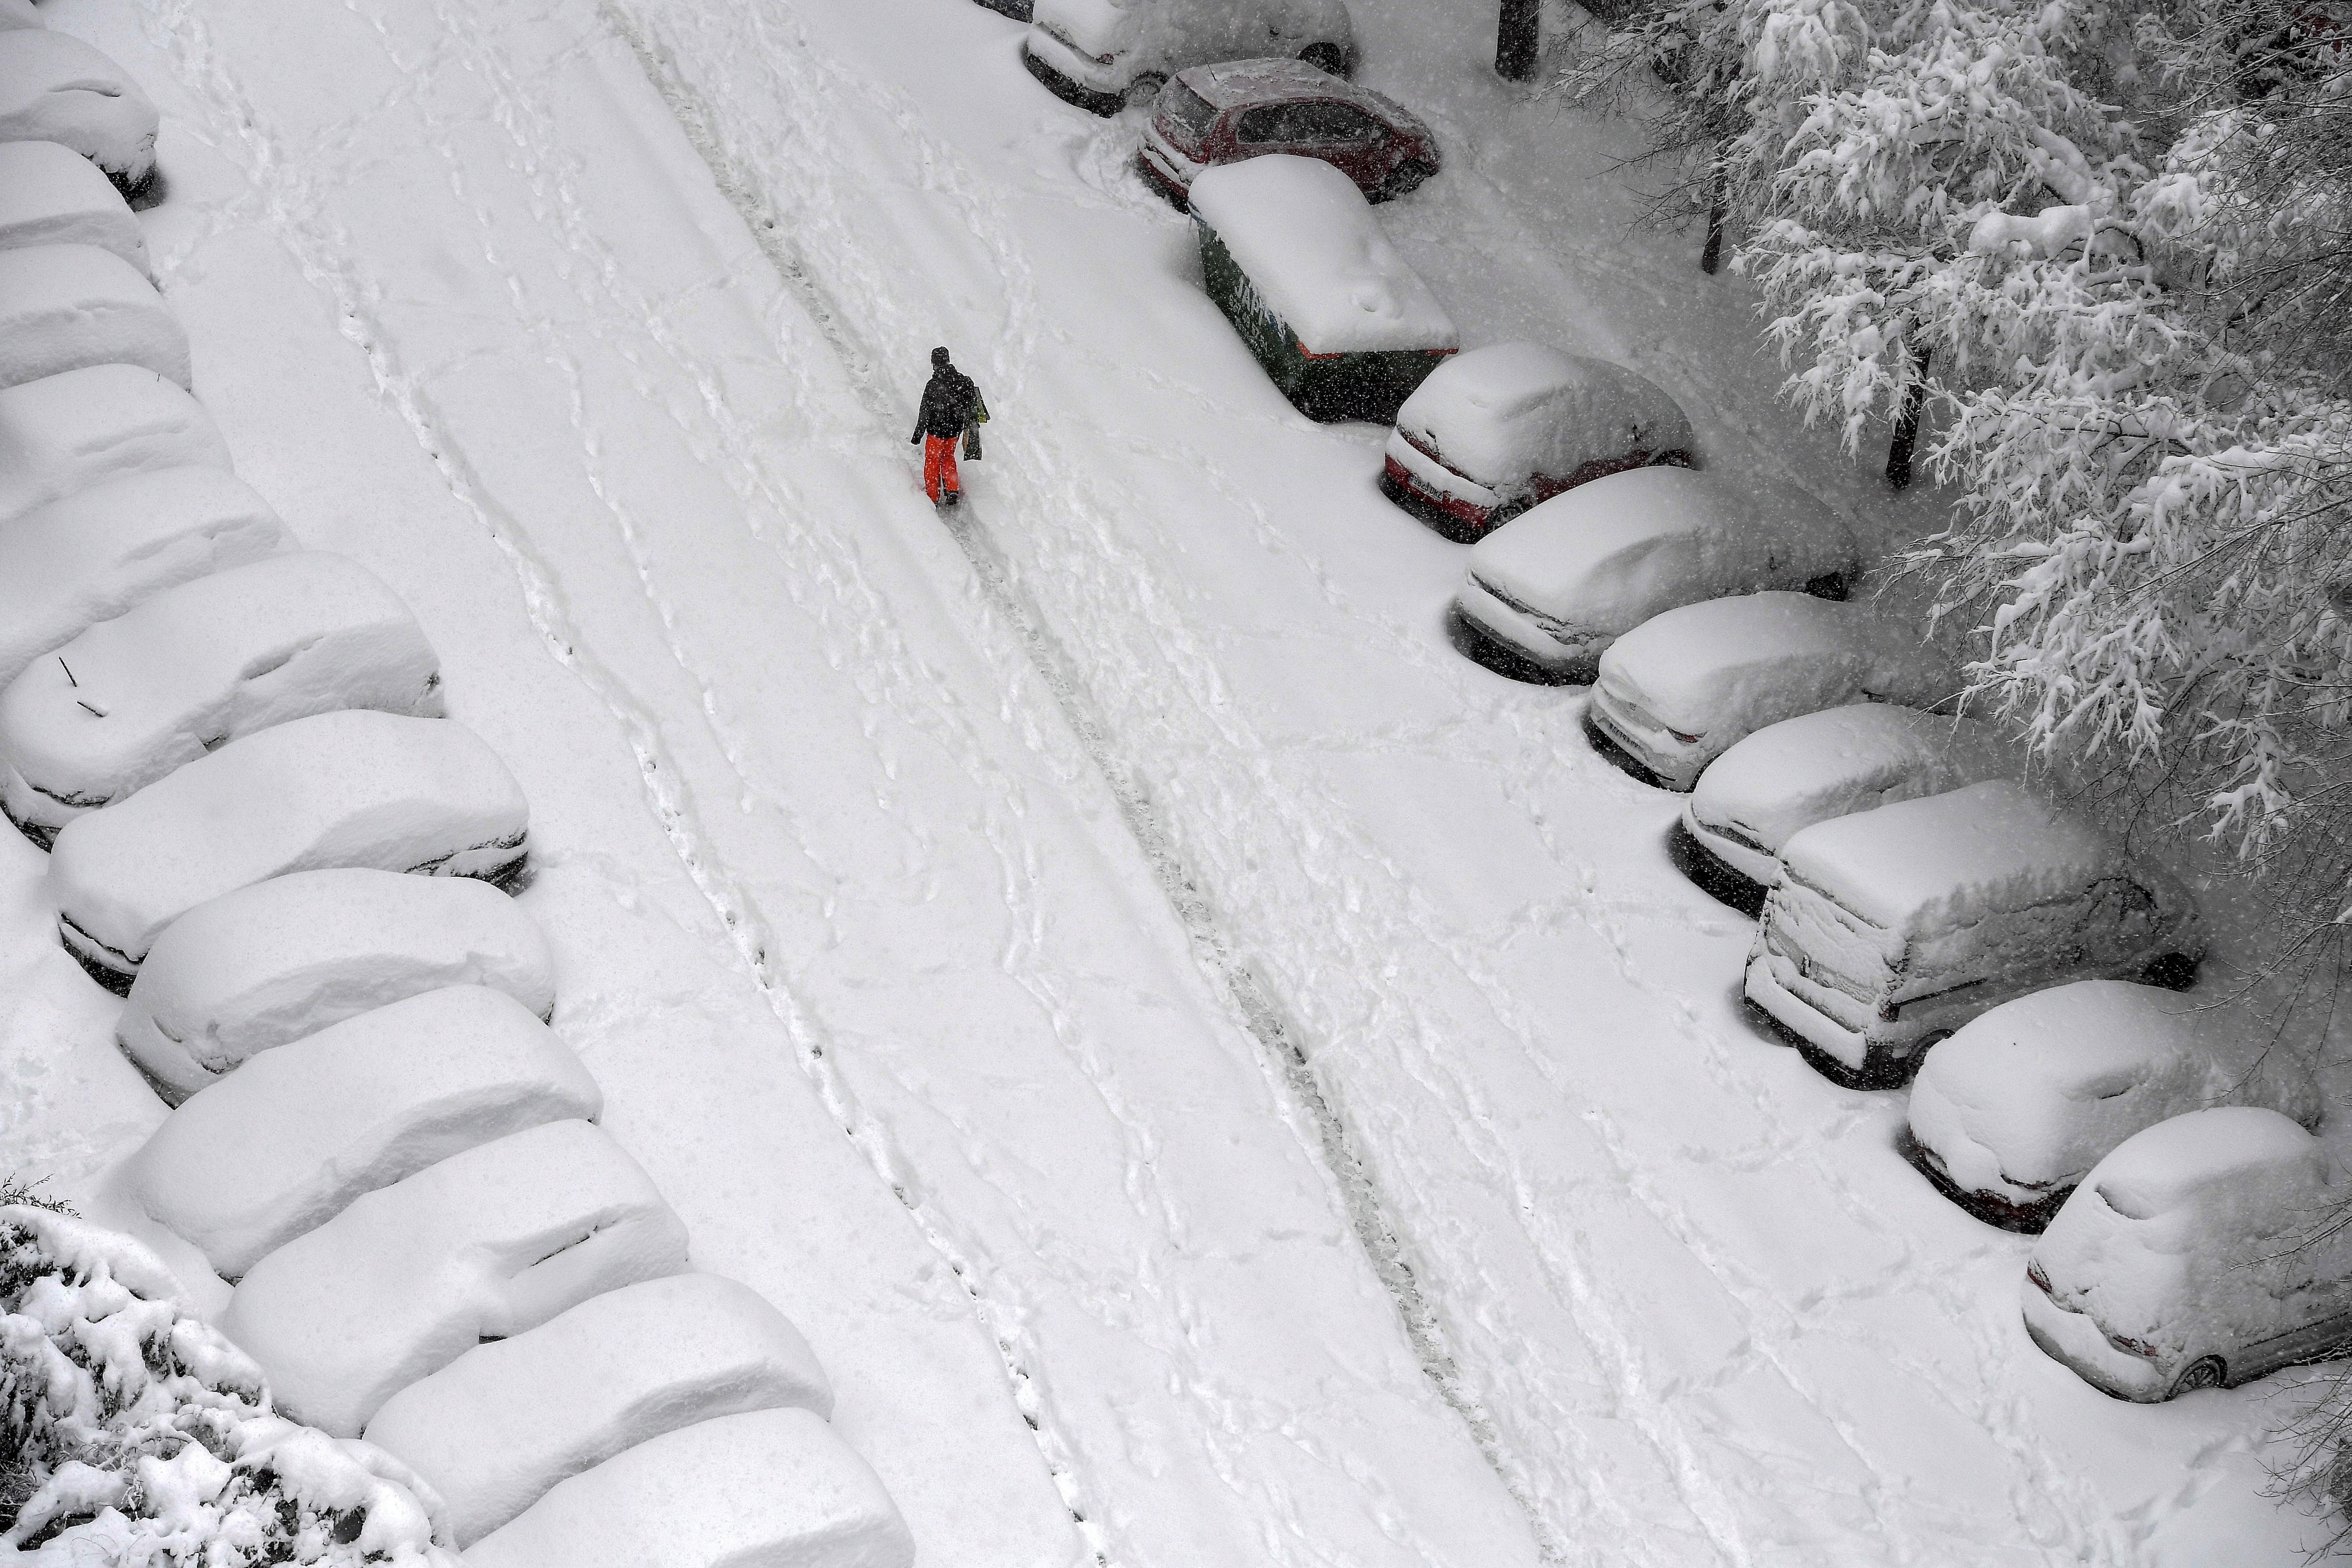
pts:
[1517, 39]
[1907, 419]
[1719, 196]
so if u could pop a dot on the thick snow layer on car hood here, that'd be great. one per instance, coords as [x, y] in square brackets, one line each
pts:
[1950, 859]
[1608, 555]
[2165, 1239]
[2047, 1084]
[1758, 658]
[1309, 244]
[1506, 412]
[1789, 776]
[1229, 83]
[1096, 26]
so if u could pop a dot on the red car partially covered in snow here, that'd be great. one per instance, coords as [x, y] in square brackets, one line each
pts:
[1245, 109]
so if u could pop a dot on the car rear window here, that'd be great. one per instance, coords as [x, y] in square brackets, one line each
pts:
[1187, 111]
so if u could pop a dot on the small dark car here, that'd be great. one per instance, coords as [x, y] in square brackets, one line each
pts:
[1245, 108]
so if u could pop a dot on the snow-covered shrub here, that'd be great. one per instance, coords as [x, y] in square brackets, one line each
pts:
[283, 959]
[494, 1430]
[55, 88]
[708, 1494]
[65, 433]
[68, 306]
[51, 194]
[65, 566]
[134, 1434]
[286, 1141]
[197, 666]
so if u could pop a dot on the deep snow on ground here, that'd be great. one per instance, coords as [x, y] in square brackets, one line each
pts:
[1040, 852]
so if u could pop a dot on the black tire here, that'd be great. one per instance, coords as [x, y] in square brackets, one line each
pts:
[1325, 57]
[2205, 1371]
[1403, 179]
[2174, 971]
[1144, 91]
[1830, 585]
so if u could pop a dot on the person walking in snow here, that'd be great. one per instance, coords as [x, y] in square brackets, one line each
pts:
[951, 409]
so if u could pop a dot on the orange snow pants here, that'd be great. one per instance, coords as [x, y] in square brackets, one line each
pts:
[940, 467]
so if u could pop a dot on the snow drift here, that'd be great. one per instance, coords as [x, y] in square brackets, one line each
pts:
[494, 1430]
[358, 788]
[482, 1245]
[66, 433]
[253, 969]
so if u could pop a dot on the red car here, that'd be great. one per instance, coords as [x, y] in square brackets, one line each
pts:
[1225, 113]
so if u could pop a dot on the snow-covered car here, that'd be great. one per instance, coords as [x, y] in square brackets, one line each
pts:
[2008, 1113]
[1292, 256]
[1247, 109]
[1549, 593]
[1102, 55]
[2203, 1253]
[1789, 776]
[69, 307]
[56, 88]
[66, 433]
[1496, 430]
[1890, 929]
[51, 194]
[1685, 686]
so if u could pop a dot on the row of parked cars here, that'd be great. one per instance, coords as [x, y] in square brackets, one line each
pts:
[1920, 909]
[264, 833]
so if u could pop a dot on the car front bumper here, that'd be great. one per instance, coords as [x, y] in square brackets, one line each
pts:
[1750, 862]
[1460, 509]
[1672, 765]
[1096, 88]
[2078, 1343]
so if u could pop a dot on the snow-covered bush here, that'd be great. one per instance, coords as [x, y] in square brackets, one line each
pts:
[55, 88]
[65, 433]
[136, 1435]
[494, 1430]
[51, 194]
[68, 306]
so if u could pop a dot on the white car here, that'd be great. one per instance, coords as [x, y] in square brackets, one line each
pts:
[1890, 929]
[1685, 686]
[1789, 776]
[1493, 431]
[1103, 55]
[2198, 1255]
[2008, 1113]
[1547, 594]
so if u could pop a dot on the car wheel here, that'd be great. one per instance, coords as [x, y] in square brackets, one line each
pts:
[1403, 179]
[1144, 91]
[2174, 971]
[1830, 585]
[1325, 57]
[2205, 1373]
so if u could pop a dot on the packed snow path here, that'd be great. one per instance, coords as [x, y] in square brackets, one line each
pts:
[1678, 1300]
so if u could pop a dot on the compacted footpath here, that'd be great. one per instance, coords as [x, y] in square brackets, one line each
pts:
[1217, 1077]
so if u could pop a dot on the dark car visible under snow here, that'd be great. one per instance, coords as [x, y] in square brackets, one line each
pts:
[1225, 113]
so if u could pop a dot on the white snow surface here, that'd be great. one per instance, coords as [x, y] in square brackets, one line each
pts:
[1839, 760]
[252, 970]
[706, 1497]
[68, 306]
[97, 553]
[195, 667]
[51, 194]
[1505, 413]
[484, 1245]
[816, 786]
[1313, 249]
[1169, 35]
[2023, 1100]
[19, 14]
[494, 1430]
[1609, 555]
[69, 432]
[356, 788]
[292, 1137]
[55, 86]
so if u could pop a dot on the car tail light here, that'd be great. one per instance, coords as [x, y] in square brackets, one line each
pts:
[2131, 1346]
[2040, 1280]
[1685, 740]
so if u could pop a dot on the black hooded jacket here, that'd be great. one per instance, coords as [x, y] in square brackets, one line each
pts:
[950, 400]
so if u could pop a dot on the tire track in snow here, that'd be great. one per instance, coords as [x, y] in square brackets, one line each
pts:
[1237, 978]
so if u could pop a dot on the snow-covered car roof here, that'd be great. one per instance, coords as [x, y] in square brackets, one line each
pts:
[1956, 857]
[2039, 1083]
[2156, 1241]
[1157, 27]
[1307, 239]
[1281, 78]
[1694, 668]
[1789, 776]
[1609, 555]
[1506, 412]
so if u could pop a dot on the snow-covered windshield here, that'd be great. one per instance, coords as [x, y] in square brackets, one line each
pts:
[1188, 111]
